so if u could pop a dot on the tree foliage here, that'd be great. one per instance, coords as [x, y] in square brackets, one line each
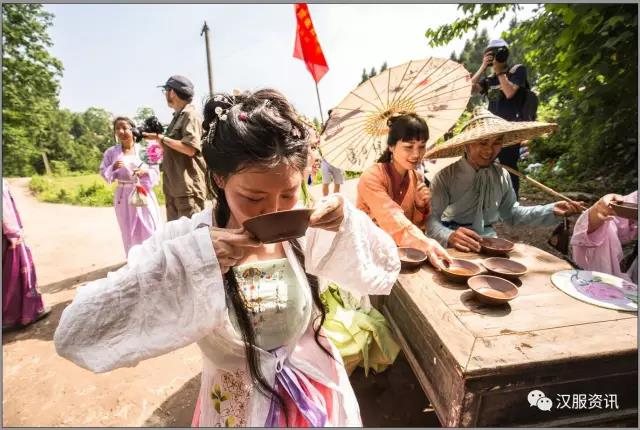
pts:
[32, 121]
[29, 85]
[372, 73]
[143, 113]
[473, 52]
[585, 59]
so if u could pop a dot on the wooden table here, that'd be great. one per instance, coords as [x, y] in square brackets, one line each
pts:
[477, 363]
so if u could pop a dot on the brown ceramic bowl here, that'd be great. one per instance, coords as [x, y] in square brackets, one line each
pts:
[625, 210]
[495, 246]
[410, 257]
[279, 226]
[492, 289]
[504, 267]
[460, 270]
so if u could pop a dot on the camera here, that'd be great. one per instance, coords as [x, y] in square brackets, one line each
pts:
[500, 54]
[150, 125]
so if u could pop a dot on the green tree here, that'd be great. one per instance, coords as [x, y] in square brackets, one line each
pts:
[473, 51]
[372, 73]
[471, 58]
[364, 76]
[585, 58]
[143, 113]
[30, 84]
[99, 129]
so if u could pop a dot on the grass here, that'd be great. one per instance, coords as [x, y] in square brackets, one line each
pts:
[80, 190]
[92, 190]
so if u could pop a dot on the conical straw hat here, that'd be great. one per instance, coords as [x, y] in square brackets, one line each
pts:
[485, 125]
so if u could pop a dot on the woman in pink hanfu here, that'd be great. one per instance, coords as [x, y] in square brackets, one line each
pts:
[21, 302]
[121, 162]
[598, 237]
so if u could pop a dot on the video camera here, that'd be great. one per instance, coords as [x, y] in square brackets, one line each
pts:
[150, 125]
[500, 54]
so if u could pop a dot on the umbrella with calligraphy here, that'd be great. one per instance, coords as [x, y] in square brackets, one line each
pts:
[356, 132]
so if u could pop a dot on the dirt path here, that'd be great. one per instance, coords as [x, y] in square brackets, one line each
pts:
[71, 245]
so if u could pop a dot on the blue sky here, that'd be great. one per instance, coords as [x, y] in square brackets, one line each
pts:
[115, 55]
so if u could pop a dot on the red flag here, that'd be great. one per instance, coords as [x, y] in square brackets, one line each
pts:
[307, 47]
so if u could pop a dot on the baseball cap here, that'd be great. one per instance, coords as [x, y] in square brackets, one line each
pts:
[497, 43]
[179, 83]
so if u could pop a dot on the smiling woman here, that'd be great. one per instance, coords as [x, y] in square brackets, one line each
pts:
[394, 194]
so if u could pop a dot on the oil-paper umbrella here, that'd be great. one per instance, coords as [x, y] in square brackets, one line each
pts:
[355, 134]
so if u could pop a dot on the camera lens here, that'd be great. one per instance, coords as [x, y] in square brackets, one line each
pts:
[137, 134]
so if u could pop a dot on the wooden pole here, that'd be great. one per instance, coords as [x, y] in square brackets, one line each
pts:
[319, 105]
[45, 160]
[205, 31]
[539, 185]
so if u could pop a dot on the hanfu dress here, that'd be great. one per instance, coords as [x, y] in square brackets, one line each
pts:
[390, 201]
[359, 331]
[21, 301]
[137, 223]
[171, 294]
[601, 250]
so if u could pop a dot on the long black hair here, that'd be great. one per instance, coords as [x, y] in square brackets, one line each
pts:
[248, 130]
[406, 127]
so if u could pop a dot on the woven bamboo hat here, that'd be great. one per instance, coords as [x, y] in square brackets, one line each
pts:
[485, 125]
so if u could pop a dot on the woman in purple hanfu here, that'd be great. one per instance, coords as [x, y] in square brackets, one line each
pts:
[21, 302]
[122, 162]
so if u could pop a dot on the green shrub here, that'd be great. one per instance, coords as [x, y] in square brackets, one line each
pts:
[80, 189]
[59, 168]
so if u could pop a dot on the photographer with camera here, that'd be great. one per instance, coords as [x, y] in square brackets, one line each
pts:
[506, 89]
[183, 180]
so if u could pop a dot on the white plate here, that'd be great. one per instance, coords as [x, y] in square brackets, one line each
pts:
[596, 288]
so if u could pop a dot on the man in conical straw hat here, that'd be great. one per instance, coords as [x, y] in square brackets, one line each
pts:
[475, 192]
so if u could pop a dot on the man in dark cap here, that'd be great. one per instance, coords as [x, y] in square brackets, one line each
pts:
[183, 179]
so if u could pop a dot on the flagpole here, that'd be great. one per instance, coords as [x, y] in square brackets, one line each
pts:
[205, 31]
[319, 105]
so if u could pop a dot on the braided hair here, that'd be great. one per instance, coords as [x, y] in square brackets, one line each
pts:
[247, 130]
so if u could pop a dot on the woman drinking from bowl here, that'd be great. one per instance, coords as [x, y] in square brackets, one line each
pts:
[122, 163]
[254, 309]
[394, 195]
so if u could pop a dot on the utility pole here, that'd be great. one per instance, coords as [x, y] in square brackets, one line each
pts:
[205, 31]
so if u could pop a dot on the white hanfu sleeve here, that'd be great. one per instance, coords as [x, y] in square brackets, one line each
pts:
[168, 295]
[360, 257]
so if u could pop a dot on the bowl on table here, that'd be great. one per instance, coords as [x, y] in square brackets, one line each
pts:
[625, 210]
[495, 246]
[411, 258]
[504, 267]
[492, 290]
[279, 226]
[460, 270]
